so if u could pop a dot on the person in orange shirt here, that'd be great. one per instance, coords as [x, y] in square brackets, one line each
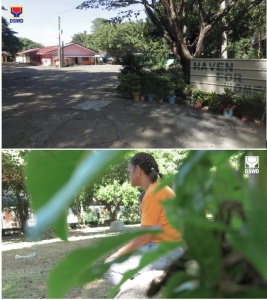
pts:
[144, 172]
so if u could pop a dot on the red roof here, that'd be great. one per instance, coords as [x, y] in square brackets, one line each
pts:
[70, 50]
[45, 50]
[29, 51]
[75, 50]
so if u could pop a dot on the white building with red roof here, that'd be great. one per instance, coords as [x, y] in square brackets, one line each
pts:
[72, 54]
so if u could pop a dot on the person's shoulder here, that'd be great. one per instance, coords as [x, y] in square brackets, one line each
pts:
[169, 191]
[166, 190]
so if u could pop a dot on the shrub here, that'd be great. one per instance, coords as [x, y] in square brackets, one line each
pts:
[149, 81]
[130, 215]
[252, 106]
[129, 82]
[90, 217]
[132, 64]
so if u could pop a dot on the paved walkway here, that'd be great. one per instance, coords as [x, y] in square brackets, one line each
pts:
[38, 113]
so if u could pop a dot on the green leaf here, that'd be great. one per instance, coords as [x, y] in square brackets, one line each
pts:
[78, 267]
[205, 247]
[263, 169]
[46, 173]
[251, 240]
[53, 178]
[147, 258]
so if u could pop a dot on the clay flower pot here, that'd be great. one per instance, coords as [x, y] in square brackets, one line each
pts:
[136, 96]
[197, 105]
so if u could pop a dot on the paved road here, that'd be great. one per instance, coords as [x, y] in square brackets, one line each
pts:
[38, 113]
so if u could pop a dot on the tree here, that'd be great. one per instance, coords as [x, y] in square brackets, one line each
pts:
[244, 39]
[82, 201]
[14, 195]
[114, 191]
[121, 39]
[85, 39]
[10, 42]
[88, 40]
[115, 196]
[175, 20]
[29, 44]
[98, 23]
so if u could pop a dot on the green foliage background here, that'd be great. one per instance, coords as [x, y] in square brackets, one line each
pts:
[220, 210]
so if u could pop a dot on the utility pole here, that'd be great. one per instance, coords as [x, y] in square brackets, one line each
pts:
[62, 54]
[59, 44]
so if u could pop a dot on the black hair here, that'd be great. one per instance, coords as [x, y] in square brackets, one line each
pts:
[147, 163]
[141, 196]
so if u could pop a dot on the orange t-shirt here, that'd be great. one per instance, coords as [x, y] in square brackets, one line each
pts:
[153, 213]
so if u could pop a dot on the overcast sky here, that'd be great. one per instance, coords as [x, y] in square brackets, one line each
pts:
[41, 19]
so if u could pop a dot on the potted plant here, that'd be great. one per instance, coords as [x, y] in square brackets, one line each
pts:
[142, 90]
[188, 93]
[171, 87]
[214, 103]
[197, 99]
[252, 108]
[228, 102]
[131, 82]
[160, 87]
[149, 85]
[180, 86]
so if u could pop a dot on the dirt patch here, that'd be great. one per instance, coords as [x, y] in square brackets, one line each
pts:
[26, 278]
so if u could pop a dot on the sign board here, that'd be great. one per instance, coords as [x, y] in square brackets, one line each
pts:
[243, 76]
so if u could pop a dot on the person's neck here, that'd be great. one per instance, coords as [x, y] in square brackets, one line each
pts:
[145, 186]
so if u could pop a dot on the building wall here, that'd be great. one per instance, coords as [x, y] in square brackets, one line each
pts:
[9, 220]
[243, 76]
[86, 61]
[46, 62]
[23, 59]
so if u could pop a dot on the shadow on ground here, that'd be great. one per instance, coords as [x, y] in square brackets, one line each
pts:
[38, 113]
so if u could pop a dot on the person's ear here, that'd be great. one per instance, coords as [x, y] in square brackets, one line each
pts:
[138, 169]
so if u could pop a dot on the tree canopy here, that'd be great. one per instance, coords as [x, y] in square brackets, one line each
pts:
[85, 39]
[10, 42]
[188, 26]
[121, 39]
[29, 44]
[14, 194]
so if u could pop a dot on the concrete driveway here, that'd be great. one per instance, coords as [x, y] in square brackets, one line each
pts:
[40, 110]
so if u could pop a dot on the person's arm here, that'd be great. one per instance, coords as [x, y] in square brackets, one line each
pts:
[141, 241]
[150, 214]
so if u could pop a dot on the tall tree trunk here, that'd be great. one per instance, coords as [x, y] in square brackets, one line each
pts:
[173, 33]
[185, 63]
[22, 211]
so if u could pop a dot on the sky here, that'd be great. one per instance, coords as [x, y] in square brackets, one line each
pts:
[40, 19]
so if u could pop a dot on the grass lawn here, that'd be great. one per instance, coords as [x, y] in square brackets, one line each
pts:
[26, 278]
